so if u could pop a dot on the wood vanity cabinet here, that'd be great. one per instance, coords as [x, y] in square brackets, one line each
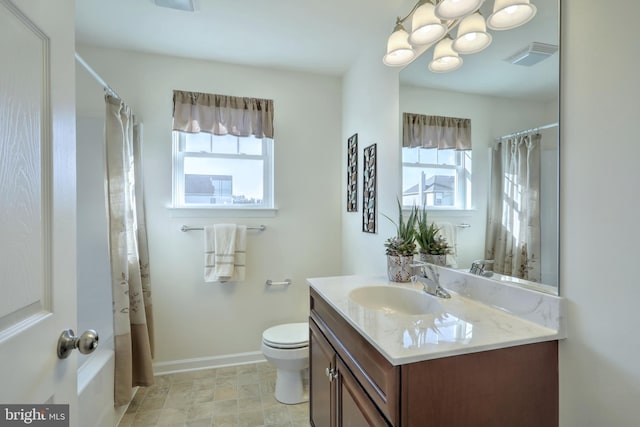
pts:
[353, 385]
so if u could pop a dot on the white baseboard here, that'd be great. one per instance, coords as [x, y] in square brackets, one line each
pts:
[184, 365]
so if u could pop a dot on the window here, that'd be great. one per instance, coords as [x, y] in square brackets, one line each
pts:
[222, 151]
[436, 178]
[436, 161]
[222, 171]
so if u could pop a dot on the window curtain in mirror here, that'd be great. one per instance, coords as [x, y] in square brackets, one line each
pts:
[133, 319]
[513, 220]
[221, 114]
[419, 130]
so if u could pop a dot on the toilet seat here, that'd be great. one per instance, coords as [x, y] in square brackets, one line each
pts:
[287, 336]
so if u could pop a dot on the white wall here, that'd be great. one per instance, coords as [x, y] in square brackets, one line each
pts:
[194, 319]
[490, 118]
[599, 369]
[370, 109]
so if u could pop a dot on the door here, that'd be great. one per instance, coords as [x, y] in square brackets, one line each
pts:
[37, 201]
[322, 372]
[355, 408]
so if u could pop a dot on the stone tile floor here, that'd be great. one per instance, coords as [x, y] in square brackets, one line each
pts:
[235, 396]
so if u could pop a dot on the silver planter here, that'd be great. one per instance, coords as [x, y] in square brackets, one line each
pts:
[433, 259]
[399, 268]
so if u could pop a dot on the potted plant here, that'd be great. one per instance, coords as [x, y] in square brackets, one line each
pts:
[433, 247]
[401, 248]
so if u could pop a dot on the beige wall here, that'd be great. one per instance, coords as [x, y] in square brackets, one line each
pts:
[202, 320]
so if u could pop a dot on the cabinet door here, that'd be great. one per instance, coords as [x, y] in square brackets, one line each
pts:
[321, 385]
[355, 408]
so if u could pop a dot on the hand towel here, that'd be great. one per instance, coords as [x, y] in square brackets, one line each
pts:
[448, 231]
[224, 252]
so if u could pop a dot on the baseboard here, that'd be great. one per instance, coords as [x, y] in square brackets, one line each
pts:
[184, 365]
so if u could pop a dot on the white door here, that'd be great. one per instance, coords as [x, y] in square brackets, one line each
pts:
[37, 201]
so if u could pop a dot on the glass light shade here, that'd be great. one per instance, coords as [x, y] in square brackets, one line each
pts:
[399, 51]
[426, 27]
[444, 57]
[456, 9]
[508, 14]
[472, 35]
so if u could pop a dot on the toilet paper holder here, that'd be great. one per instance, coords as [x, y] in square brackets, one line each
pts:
[286, 282]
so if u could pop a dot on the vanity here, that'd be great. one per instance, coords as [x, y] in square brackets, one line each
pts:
[387, 354]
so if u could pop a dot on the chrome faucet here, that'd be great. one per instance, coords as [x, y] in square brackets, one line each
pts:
[478, 267]
[429, 278]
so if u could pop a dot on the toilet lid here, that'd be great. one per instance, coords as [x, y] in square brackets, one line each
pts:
[290, 335]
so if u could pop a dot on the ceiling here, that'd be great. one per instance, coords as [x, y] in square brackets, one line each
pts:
[316, 36]
[320, 36]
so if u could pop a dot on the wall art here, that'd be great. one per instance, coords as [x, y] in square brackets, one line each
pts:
[352, 173]
[369, 189]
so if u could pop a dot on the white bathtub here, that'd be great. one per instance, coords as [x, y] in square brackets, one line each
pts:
[95, 390]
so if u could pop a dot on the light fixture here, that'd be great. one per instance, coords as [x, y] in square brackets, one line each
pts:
[444, 57]
[456, 9]
[432, 20]
[399, 50]
[184, 5]
[472, 35]
[508, 14]
[426, 27]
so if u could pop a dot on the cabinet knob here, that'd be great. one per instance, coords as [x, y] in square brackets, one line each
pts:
[331, 373]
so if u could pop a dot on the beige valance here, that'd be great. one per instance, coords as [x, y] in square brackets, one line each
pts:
[221, 114]
[419, 130]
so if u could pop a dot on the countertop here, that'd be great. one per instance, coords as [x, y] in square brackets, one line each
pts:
[462, 325]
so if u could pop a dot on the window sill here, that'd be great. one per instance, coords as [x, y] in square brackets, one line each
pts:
[210, 212]
[444, 211]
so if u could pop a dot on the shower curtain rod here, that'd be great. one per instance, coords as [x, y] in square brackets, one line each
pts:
[522, 132]
[97, 77]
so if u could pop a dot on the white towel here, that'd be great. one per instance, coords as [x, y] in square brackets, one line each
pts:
[448, 232]
[224, 252]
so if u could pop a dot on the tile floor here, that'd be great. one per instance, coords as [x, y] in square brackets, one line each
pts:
[235, 396]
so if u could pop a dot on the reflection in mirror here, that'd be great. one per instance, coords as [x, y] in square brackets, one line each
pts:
[508, 95]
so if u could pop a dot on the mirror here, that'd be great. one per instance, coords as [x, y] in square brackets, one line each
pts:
[500, 98]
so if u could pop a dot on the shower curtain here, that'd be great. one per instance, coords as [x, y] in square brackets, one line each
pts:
[133, 319]
[513, 221]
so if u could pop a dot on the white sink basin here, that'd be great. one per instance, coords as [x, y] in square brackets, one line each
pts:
[390, 299]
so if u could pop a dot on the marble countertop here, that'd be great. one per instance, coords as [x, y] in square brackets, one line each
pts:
[464, 324]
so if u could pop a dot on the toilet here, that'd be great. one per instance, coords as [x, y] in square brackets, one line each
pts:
[287, 348]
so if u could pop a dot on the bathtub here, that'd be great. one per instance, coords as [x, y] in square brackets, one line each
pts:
[95, 389]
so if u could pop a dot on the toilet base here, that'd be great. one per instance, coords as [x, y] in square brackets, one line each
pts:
[289, 387]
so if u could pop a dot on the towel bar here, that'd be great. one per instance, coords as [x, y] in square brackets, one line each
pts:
[286, 282]
[186, 228]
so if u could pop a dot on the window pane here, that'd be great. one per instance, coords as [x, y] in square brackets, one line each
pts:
[447, 157]
[223, 181]
[251, 145]
[409, 155]
[429, 155]
[225, 144]
[438, 186]
[197, 142]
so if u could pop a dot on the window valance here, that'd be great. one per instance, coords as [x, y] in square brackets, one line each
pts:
[221, 114]
[419, 130]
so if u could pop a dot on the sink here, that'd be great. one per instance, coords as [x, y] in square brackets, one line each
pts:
[390, 299]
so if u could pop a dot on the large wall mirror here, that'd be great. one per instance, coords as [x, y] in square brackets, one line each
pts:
[502, 98]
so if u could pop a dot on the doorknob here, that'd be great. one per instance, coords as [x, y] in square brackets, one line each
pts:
[86, 343]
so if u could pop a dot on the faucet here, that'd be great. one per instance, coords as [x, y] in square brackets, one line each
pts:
[478, 267]
[431, 285]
